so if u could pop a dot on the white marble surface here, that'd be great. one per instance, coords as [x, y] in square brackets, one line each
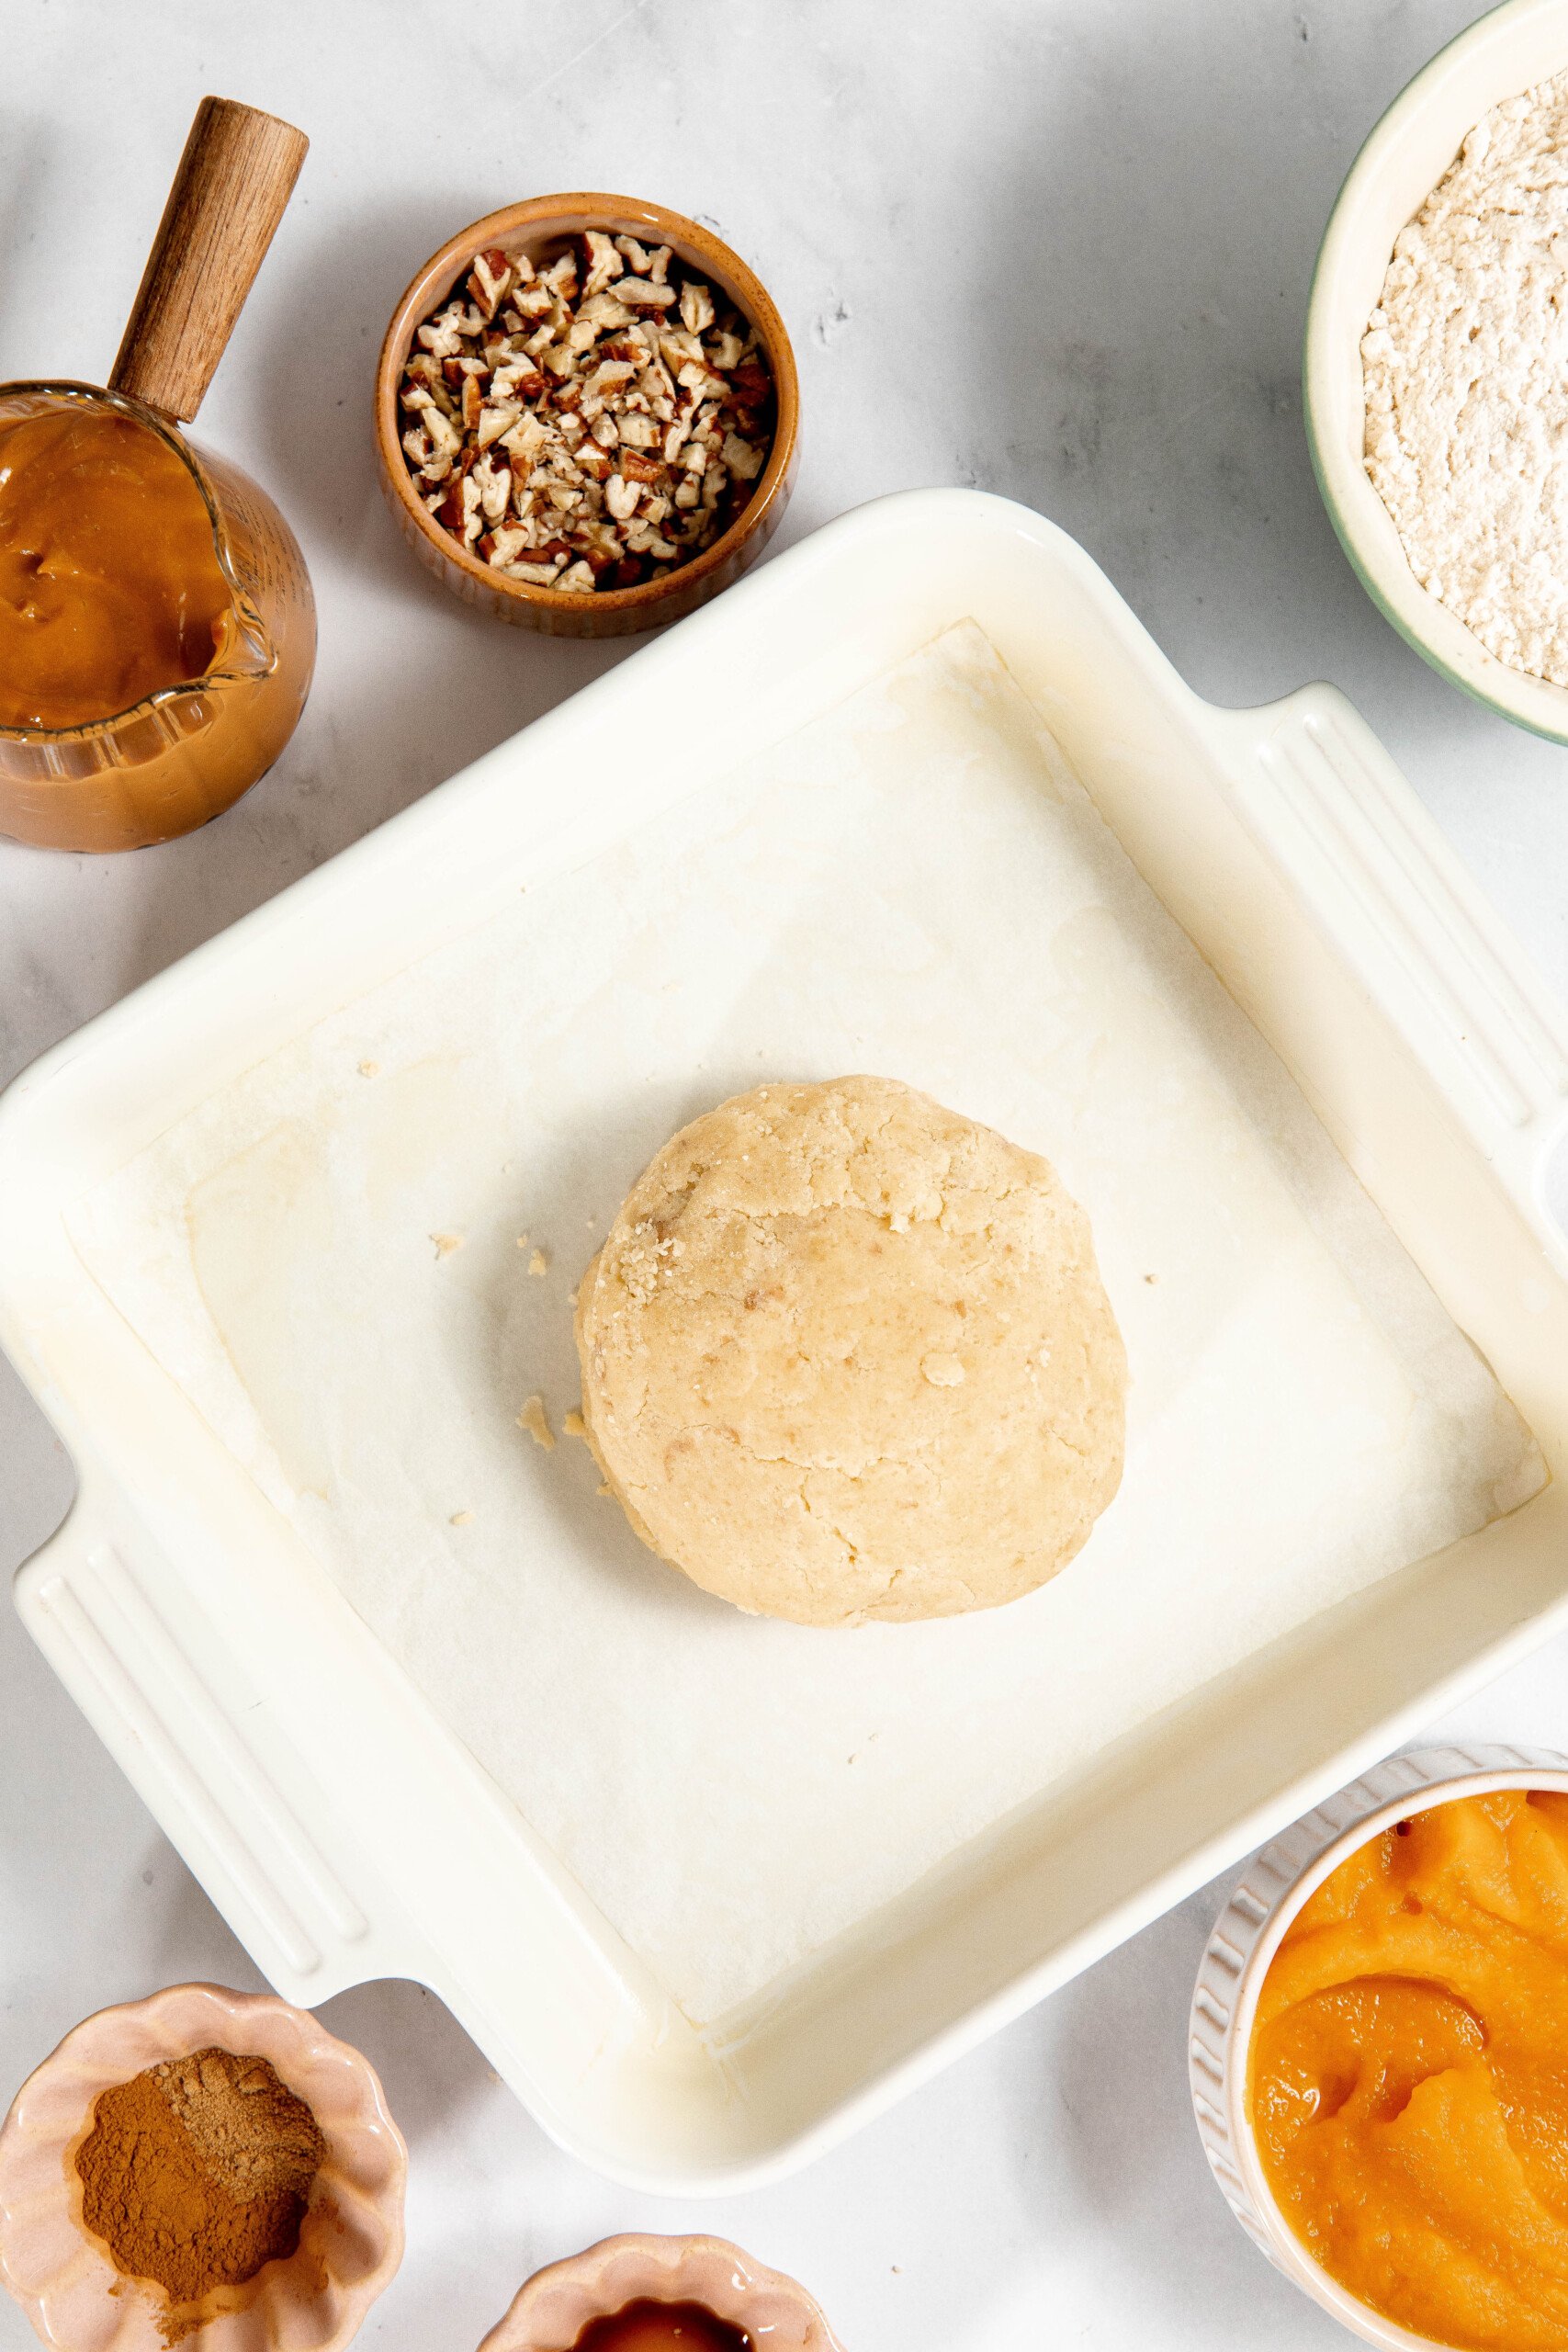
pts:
[1059, 248]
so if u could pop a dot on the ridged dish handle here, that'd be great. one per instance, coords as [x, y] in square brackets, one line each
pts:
[1360, 852]
[99, 1600]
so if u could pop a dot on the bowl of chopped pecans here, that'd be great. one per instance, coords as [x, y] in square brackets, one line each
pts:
[586, 415]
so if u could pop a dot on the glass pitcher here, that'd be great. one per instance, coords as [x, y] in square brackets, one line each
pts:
[184, 752]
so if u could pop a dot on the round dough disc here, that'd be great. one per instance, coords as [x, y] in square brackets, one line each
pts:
[847, 1355]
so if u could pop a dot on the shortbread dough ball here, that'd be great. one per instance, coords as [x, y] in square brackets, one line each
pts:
[847, 1355]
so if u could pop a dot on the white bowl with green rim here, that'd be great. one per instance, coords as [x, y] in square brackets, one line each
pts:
[1504, 52]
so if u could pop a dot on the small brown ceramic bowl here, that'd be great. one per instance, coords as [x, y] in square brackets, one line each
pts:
[551, 2310]
[535, 228]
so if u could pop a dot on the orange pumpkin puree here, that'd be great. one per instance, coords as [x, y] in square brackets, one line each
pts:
[1408, 2072]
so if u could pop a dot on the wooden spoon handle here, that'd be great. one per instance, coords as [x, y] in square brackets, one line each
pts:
[236, 176]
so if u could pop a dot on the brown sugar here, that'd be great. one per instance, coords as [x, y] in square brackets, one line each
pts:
[198, 2173]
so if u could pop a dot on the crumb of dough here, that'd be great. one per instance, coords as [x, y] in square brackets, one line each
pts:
[461, 1518]
[574, 1425]
[538, 1263]
[445, 1243]
[369, 1069]
[521, 1241]
[536, 1421]
[603, 1489]
[942, 1371]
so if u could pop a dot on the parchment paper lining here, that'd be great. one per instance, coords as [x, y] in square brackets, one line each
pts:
[915, 885]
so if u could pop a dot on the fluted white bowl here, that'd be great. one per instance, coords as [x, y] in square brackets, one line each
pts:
[1248, 1934]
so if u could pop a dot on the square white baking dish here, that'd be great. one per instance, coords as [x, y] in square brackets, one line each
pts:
[344, 1832]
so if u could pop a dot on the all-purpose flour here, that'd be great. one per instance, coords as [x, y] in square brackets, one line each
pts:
[1465, 365]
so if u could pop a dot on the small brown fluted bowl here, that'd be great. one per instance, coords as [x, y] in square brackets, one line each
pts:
[533, 227]
[350, 2240]
[550, 2312]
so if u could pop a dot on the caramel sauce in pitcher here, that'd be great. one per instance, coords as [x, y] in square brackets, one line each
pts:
[157, 630]
[111, 586]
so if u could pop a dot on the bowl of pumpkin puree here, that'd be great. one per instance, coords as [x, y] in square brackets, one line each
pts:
[1379, 2053]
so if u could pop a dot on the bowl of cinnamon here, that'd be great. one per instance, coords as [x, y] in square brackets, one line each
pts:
[204, 2168]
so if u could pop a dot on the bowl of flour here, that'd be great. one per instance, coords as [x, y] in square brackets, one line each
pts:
[1436, 368]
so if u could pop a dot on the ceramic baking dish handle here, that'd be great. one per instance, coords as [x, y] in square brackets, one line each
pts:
[1319, 793]
[98, 1599]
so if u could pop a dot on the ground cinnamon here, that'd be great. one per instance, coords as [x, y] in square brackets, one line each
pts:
[198, 2173]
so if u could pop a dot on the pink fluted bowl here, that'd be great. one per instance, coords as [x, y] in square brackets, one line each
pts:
[551, 2311]
[350, 2240]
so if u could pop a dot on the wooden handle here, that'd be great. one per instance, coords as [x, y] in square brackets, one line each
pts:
[236, 176]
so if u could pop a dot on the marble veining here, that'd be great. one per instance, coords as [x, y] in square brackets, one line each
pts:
[1055, 248]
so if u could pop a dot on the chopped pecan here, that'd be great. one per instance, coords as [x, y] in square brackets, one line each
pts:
[743, 457]
[604, 314]
[641, 293]
[604, 262]
[503, 547]
[443, 433]
[490, 281]
[442, 336]
[608, 376]
[494, 484]
[696, 307]
[519, 378]
[751, 383]
[494, 421]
